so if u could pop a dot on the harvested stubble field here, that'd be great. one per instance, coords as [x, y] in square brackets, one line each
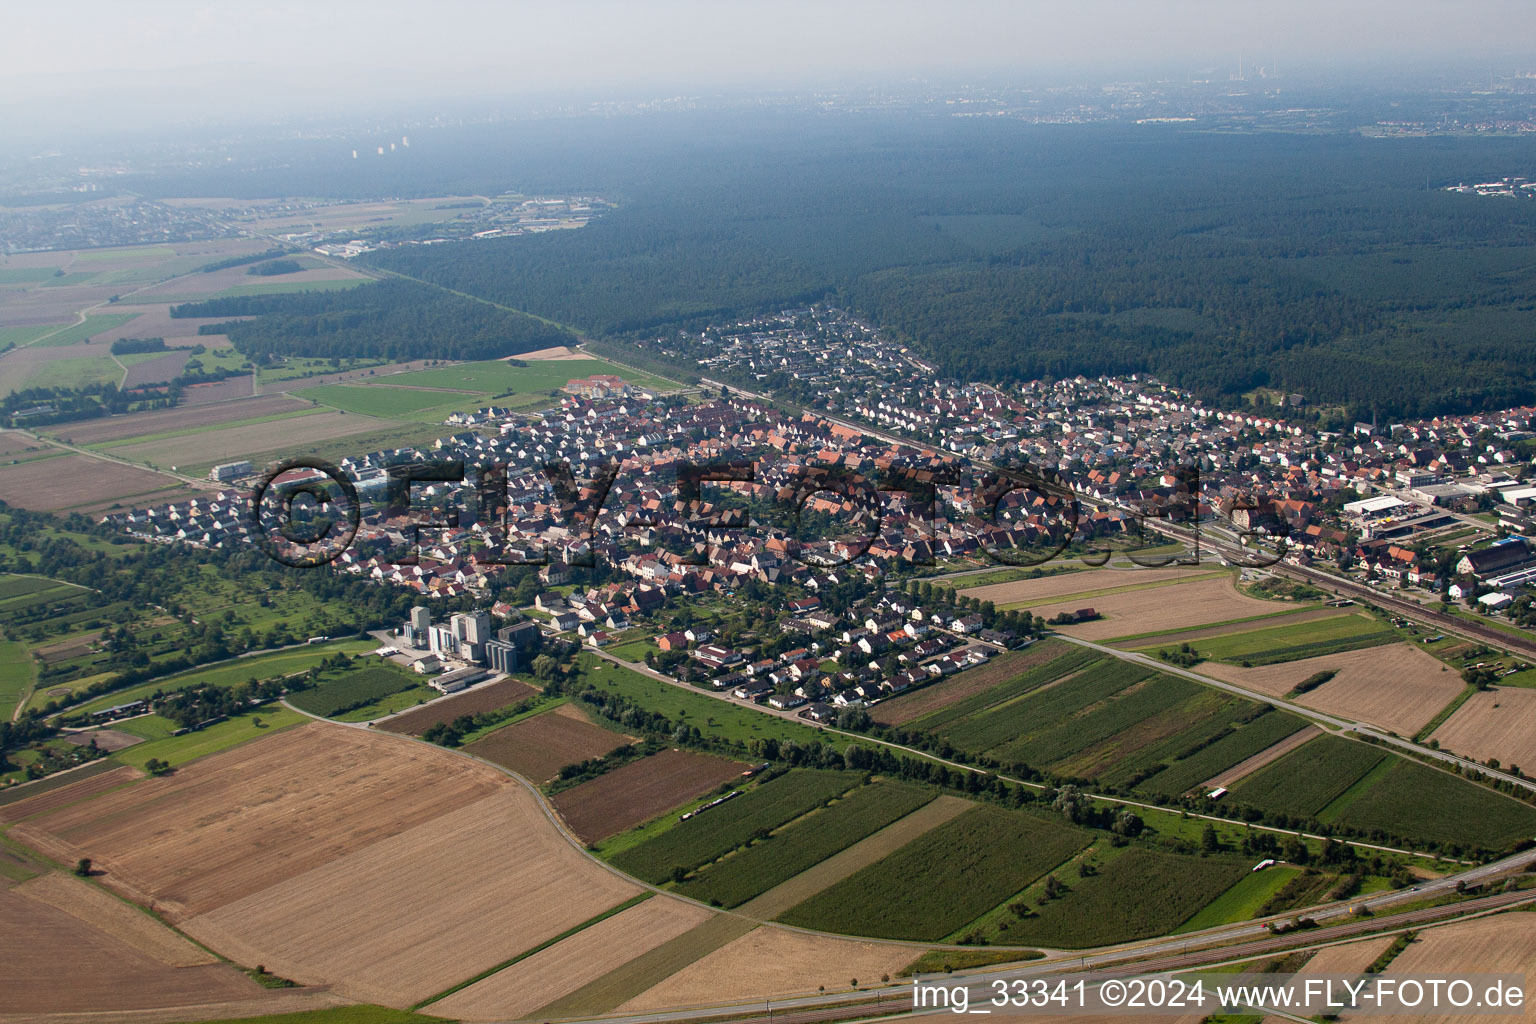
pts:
[538, 747]
[935, 696]
[69, 966]
[107, 913]
[229, 443]
[571, 963]
[1088, 581]
[1199, 602]
[164, 421]
[471, 702]
[51, 484]
[1505, 943]
[80, 784]
[13, 444]
[1494, 723]
[157, 370]
[771, 962]
[1396, 687]
[638, 791]
[230, 825]
[408, 916]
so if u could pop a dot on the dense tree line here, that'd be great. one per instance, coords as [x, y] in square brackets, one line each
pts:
[392, 319]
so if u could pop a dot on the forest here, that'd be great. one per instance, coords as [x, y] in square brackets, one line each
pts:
[1335, 267]
[390, 319]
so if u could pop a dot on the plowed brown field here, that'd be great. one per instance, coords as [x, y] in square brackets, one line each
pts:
[540, 746]
[224, 827]
[640, 790]
[481, 698]
[408, 916]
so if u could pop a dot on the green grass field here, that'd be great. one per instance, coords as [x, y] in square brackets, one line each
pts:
[1243, 900]
[94, 324]
[390, 402]
[1136, 895]
[719, 830]
[944, 879]
[23, 336]
[804, 843]
[1299, 640]
[498, 377]
[17, 671]
[713, 717]
[400, 700]
[1234, 748]
[74, 373]
[178, 750]
[1310, 777]
[235, 671]
[1419, 802]
[355, 689]
[131, 253]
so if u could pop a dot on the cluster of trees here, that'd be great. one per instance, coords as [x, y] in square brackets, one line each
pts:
[272, 268]
[240, 261]
[391, 319]
[451, 734]
[41, 406]
[128, 346]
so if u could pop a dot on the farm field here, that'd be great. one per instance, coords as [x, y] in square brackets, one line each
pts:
[68, 481]
[1306, 780]
[1243, 901]
[1026, 592]
[276, 853]
[1296, 641]
[571, 963]
[1397, 686]
[1065, 663]
[804, 843]
[1494, 723]
[354, 689]
[196, 451]
[712, 834]
[81, 899]
[326, 789]
[713, 717]
[540, 746]
[1239, 749]
[67, 965]
[56, 791]
[436, 927]
[638, 791]
[1181, 605]
[936, 696]
[497, 376]
[771, 962]
[392, 401]
[1505, 943]
[1428, 805]
[236, 670]
[257, 723]
[478, 698]
[166, 422]
[950, 875]
[1136, 895]
[16, 674]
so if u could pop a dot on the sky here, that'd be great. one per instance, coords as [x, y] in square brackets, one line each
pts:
[324, 54]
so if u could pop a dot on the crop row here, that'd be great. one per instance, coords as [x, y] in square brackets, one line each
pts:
[1005, 724]
[718, 831]
[1070, 661]
[1136, 895]
[805, 843]
[1310, 777]
[1209, 716]
[1319, 648]
[1418, 802]
[1061, 738]
[1234, 748]
[944, 879]
[351, 691]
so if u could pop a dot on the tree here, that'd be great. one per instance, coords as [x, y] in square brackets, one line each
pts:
[83, 867]
[1209, 841]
